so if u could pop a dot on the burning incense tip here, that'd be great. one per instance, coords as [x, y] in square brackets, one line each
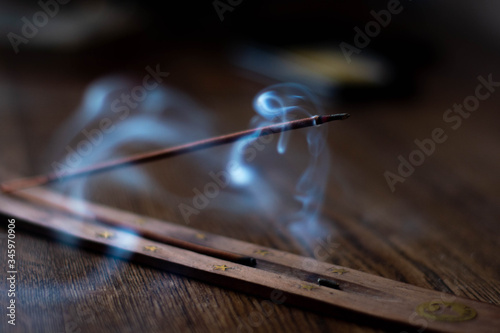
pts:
[18, 184]
[331, 117]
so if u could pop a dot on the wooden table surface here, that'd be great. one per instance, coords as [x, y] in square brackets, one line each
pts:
[439, 229]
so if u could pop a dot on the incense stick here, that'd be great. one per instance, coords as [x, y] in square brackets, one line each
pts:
[17, 184]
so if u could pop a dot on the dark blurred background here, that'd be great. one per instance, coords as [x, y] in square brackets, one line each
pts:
[98, 37]
[52, 51]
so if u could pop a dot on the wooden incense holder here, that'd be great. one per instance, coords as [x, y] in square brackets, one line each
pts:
[279, 276]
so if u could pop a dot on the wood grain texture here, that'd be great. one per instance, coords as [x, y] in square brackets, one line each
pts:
[282, 277]
[439, 230]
